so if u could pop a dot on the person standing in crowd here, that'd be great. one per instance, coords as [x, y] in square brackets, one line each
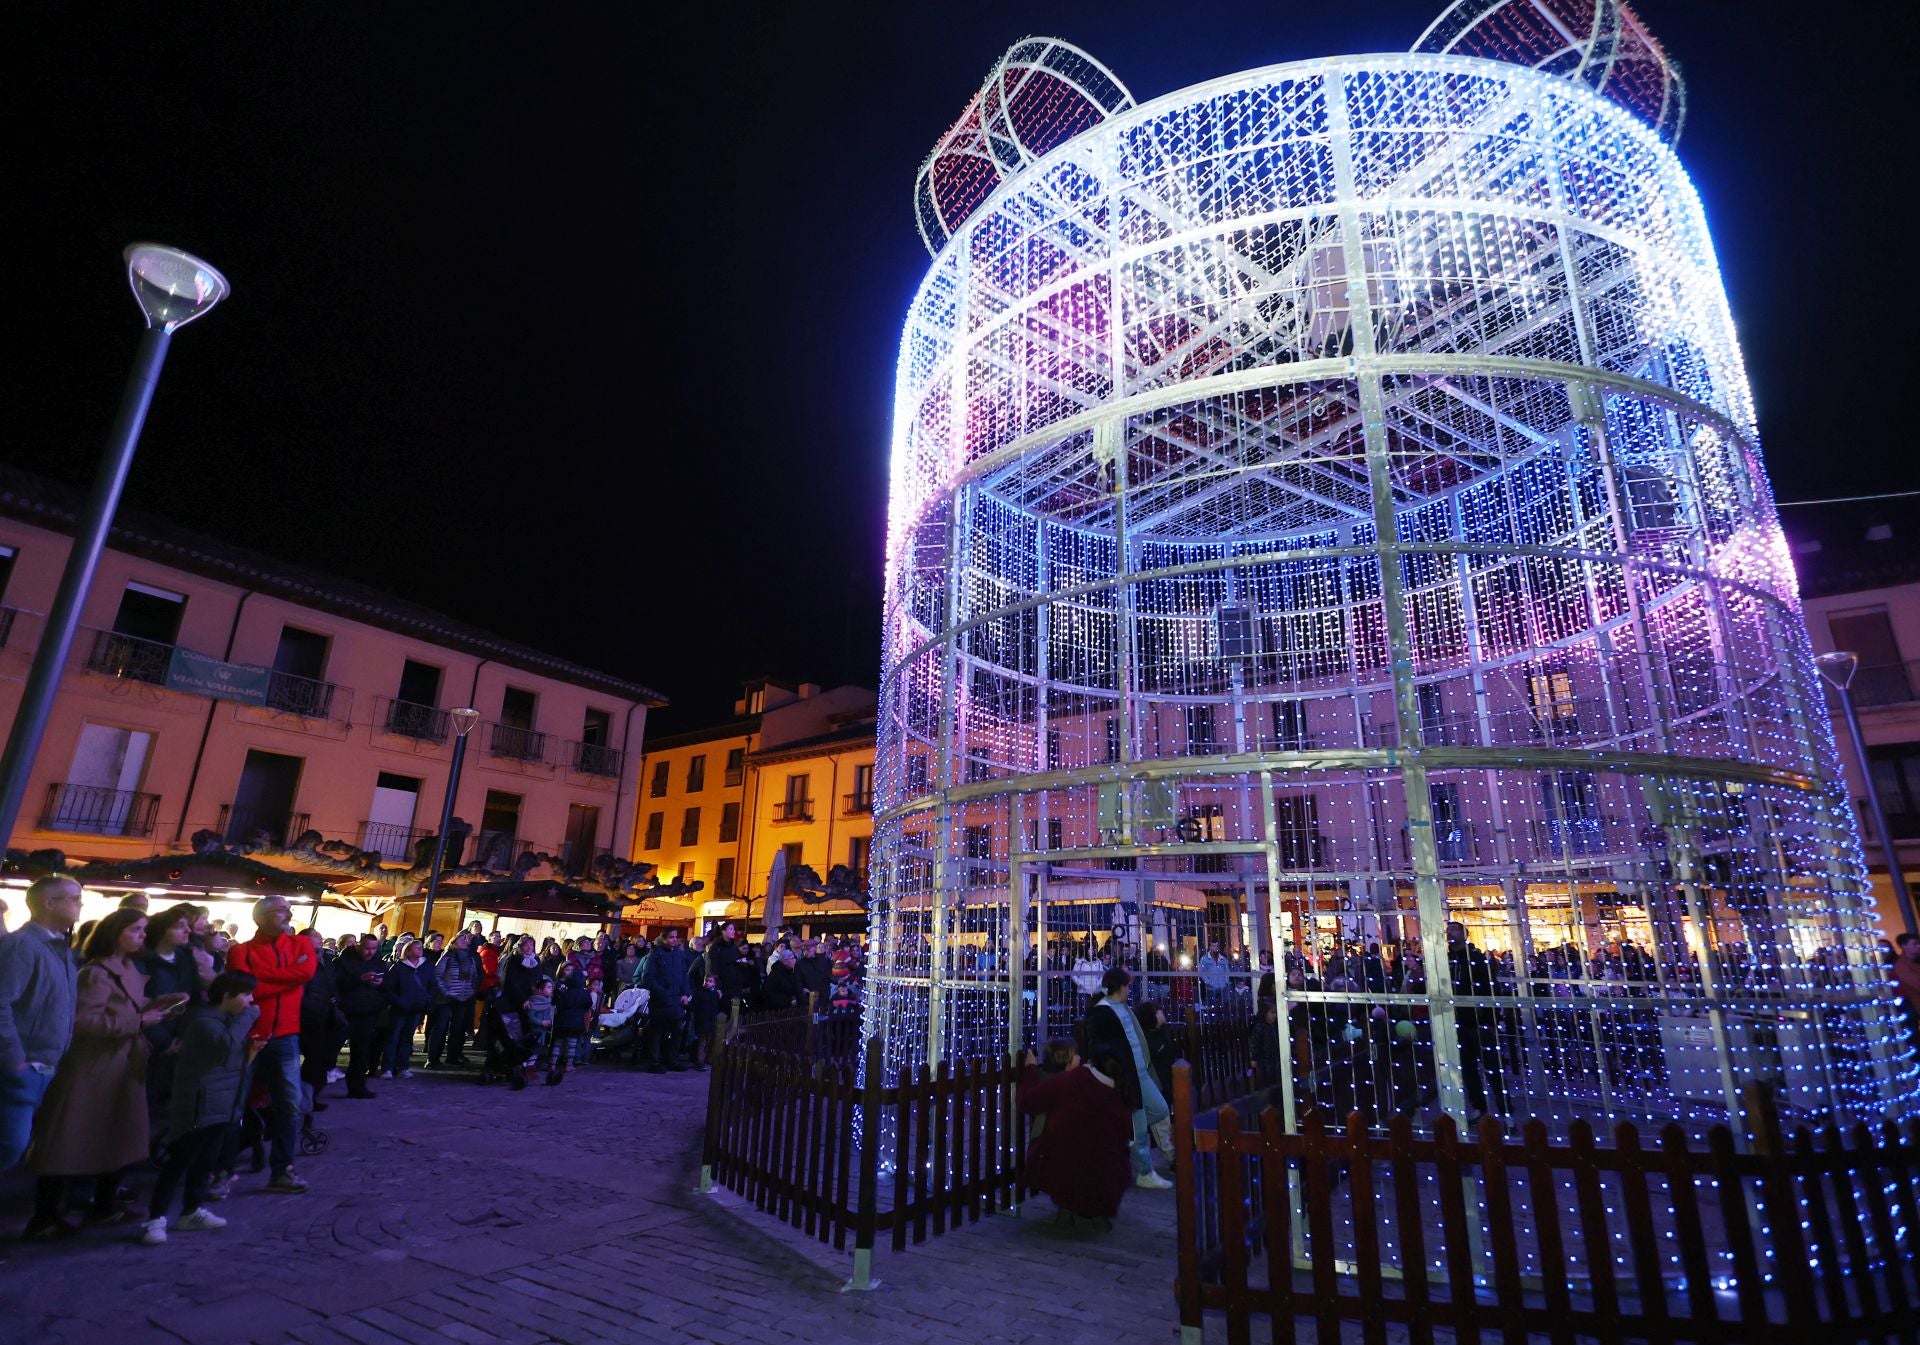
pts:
[703, 1011]
[572, 1020]
[134, 901]
[411, 988]
[815, 970]
[487, 951]
[669, 993]
[456, 981]
[383, 943]
[782, 987]
[728, 965]
[167, 963]
[1475, 1027]
[1113, 1032]
[1215, 973]
[322, 1026]
[93, 1123]
[212, 1071]
[358, 978]
[537, 1014]
[37, 989]
[281, 963]
[519, 974]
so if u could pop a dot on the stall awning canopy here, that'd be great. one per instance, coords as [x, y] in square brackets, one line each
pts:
[215, 871]
[535, 901]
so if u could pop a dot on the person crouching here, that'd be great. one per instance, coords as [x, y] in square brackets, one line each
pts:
[209, 1079]
[1082, 1158]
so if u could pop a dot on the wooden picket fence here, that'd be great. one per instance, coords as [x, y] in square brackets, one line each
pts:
[808, 1030]
[802, 1140]
[1802, 1242]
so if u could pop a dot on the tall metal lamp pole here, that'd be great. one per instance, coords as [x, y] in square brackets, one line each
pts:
[463, 722]
[172, 288]
[1838, 668]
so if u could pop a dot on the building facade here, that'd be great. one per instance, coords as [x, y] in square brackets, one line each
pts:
[789, 777]
[216, 690]
[1859, 566]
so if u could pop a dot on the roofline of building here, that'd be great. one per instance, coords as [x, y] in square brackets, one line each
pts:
[50, 504]
[732, 728]
[814, 746]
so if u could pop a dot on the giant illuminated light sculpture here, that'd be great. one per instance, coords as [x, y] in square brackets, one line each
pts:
[1326, 507]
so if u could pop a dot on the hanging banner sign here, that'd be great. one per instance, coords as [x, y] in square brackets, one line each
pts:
[203, 675]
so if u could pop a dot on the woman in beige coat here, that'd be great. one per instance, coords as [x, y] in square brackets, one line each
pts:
[93, 1122]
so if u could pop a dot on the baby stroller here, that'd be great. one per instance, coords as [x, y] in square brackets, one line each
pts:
[505, 1048]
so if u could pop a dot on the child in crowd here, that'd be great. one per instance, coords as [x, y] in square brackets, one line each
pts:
[703, 1009]
[572, 1006]
[538, 1013]
[209, 1077]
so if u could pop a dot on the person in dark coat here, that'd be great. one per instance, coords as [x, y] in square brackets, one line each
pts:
[358, 978]
[572, 1019]
[727, 965]
[170, 970]
[781, 990]
[1080, 1159]
[703, 1011]
[669, 987]
[209, 1083]
[456, 975]
[815, 970]
[323, 1028]
[411, 989]
[520, 971]
[1161, 1050]
[1113, 1033]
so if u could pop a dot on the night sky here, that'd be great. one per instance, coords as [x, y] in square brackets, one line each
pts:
[578, 321]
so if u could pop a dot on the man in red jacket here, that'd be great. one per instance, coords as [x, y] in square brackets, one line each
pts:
[282, 962]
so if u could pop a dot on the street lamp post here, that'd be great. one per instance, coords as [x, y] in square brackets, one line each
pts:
[172, 288]
[463, 722]
[1838, 668]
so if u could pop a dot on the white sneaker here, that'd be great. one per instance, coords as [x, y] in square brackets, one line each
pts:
[336, 1075]
[403, 1074]
[383, 1074]
[1152, 1181]
[201, 1218]
[154, 1232]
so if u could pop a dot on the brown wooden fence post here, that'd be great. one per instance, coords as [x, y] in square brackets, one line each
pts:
[867, 1199]
[1186, 1207]
[1782, 1205]
[813, 1016]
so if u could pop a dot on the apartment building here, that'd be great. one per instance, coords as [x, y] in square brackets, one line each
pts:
[1859, 567]
[215, 689]
[790, 774]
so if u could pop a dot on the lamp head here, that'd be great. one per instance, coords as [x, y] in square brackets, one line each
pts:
[172, 287]
[464, 720]
[1838, 667]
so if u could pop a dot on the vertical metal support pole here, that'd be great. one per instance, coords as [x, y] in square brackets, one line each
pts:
[1289, 1110]
[83, 558]
[1016, 930]
[440, 841]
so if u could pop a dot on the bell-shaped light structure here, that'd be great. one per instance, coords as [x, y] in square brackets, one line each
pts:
[464, 720]
[172, 287]
[1838, 667]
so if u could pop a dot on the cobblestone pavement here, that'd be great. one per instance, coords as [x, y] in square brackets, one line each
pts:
[447, 1212]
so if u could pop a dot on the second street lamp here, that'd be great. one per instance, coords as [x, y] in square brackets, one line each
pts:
[1838, 668]
[463, 722]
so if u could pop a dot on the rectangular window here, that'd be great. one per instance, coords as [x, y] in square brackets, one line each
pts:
[656, 825]
[517, 707]
[1053, 749]
[798, 805]
[796, 856]
[498, 843]
[297, 684]
[1896, 774]
[1290, 726]
[389, 831]
[696, 773]
[1297, 829]
[690, 827]
[513, 734]
[729, 821]
[723, 878]
[583, 833]
[978, 842]
[1450, 837]
[1055, 833]
[6, 569]
[1113, 738]
[1200, 729]
[658, 788]
[685, 874]
[1881, 678]
[262, 807]
[916, 776]
[101, 795]
[596, 729]
[859, 848]
[148, 613]
[861, 800]
[736, 765]
[1550, 694]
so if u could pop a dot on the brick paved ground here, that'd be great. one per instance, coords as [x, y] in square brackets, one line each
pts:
[448, 1212]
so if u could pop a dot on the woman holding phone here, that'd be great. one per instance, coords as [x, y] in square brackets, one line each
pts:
[94, 1120]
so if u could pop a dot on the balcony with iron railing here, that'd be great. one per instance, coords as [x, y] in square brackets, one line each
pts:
[515, 742]
[497, 850]
[858, 803]
[1453, 843]
[302, 697]
[1885, 684]
[595, 759]
[240, 824]
[1575, 835]
[407, 719]
[129, 657]
[788, 811]
[93, 810]
[392, 841]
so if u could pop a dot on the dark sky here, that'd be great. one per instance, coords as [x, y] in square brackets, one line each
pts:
[578, 320]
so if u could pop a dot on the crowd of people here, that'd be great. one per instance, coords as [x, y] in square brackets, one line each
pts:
[168, 1043]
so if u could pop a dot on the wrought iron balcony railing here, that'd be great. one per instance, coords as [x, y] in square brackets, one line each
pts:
[793, 810]
[594, 759]
[406, 719]
[96, 811]
[512, 742]
[393, 842]
[1885, 684]
[243, 825]
[860, 801]
[498, 850]
[128, 656]
[306, 697]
